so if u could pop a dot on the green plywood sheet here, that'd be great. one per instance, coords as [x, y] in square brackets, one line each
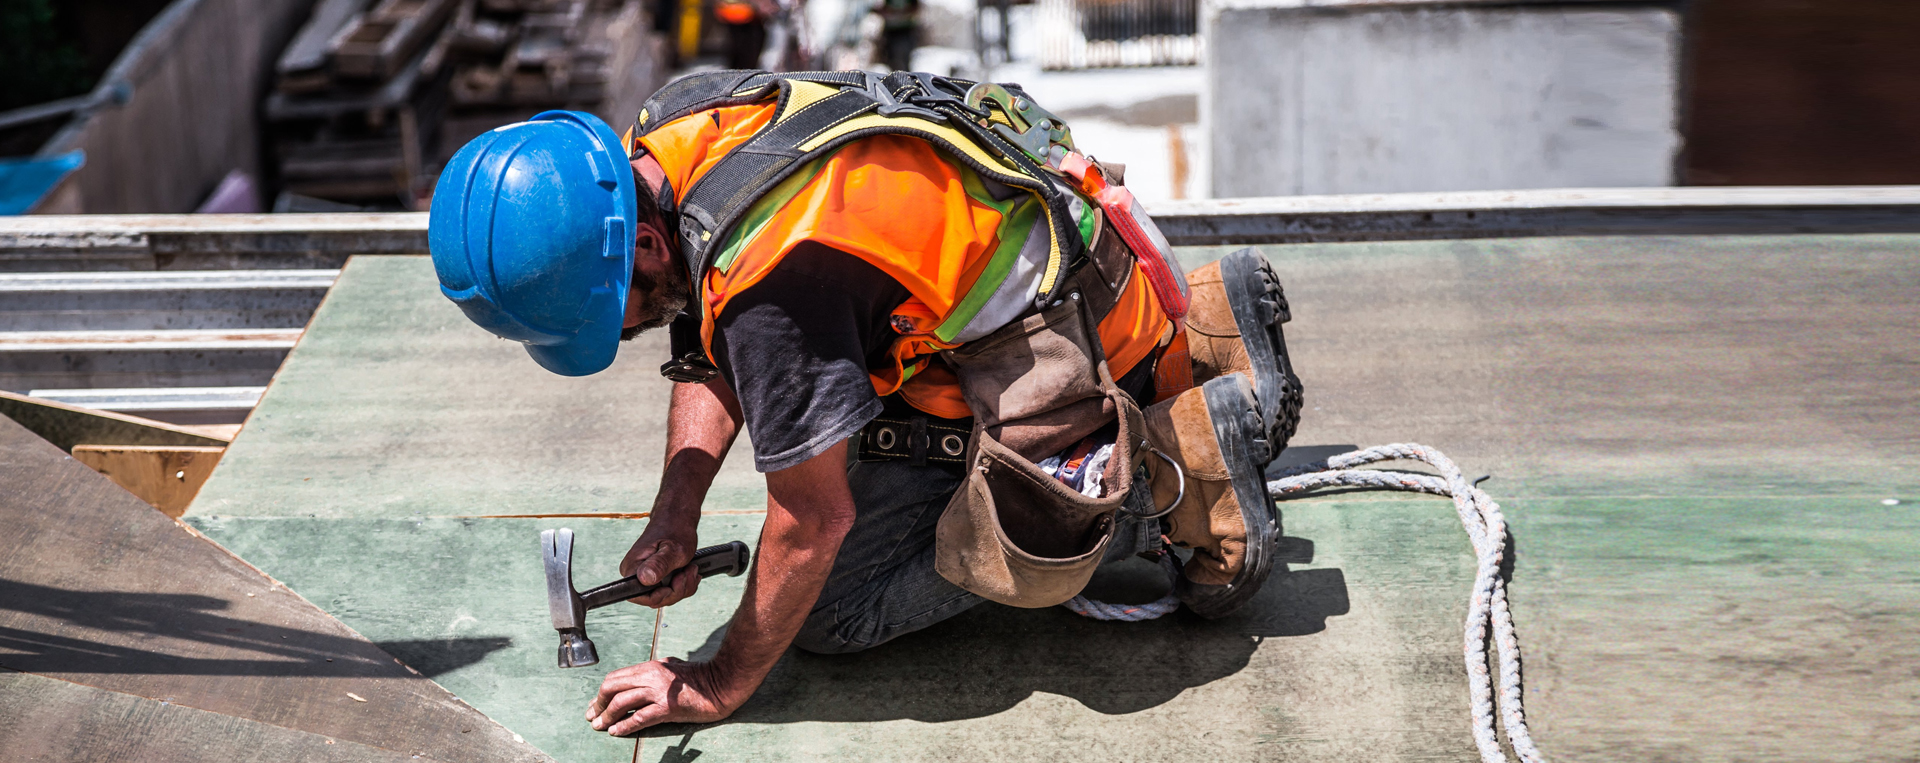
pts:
[463, 601]
[1620, 366]
[1692, 437]
[1656, 629]
[394, 404]
[999, 683]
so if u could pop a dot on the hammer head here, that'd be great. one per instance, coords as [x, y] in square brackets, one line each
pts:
[568, 610]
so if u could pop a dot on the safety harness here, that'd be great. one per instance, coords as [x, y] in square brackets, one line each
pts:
[995, 129]
[818, 112]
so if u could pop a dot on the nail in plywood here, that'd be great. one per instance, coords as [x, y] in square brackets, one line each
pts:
[167, 476]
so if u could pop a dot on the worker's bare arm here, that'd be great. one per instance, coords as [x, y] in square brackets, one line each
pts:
[809, 510]
[702, 422]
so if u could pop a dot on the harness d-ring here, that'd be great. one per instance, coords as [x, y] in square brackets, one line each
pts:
[1182, 473]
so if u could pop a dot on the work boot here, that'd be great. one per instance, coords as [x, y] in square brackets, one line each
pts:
[1216, 501]
[1233, 326]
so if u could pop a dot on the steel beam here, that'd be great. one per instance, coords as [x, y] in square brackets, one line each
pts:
[191, 242]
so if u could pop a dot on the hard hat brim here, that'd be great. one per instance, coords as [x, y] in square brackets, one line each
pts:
[592, 349]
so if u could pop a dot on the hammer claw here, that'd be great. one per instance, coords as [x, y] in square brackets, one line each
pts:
[563, 603]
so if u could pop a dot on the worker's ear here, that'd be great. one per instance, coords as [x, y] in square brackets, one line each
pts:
[650, 241]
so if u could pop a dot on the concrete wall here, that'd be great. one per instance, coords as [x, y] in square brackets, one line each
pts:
[191, 83]
[1411, 96]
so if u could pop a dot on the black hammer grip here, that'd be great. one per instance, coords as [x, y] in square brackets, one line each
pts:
[730, 558]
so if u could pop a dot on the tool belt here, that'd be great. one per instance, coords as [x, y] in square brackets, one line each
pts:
[915, 438]
[1012, 533]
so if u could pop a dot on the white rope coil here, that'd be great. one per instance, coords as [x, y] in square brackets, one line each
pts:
[1130, 613]
[1488, 617]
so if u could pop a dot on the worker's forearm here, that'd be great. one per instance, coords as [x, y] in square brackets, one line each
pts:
[808, 515]
[701, 425]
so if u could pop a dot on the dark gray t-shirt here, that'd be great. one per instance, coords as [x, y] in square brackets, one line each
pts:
[796, 347]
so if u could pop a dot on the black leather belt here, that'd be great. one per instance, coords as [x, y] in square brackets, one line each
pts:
[916, 438]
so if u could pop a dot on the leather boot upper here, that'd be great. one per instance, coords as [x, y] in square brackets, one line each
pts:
[1213, 339]
[1208, 519]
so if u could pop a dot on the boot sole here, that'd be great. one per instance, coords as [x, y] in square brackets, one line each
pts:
[1236, 428]
[1259, 308]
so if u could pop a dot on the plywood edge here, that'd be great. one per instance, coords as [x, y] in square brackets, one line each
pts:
[167, 477]
[67, 425]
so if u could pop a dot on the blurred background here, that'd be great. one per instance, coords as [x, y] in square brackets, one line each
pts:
[128, 106]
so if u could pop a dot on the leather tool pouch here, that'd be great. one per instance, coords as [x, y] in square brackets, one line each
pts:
[1013, 533]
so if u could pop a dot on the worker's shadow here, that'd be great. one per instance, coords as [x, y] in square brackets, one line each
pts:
[47, 629]
[992, 657]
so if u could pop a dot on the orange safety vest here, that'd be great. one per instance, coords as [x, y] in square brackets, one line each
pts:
[903, 206]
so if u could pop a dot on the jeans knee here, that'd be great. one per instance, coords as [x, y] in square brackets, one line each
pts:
[825, 637]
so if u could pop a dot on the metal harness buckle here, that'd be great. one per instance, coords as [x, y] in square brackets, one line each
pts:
[691, 368]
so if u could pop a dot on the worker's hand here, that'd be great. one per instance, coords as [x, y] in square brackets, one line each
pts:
[661, 691]
[662, 549]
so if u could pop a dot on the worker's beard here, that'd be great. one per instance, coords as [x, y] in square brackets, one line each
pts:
[660, 300]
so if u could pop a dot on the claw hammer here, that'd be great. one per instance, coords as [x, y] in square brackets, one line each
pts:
[569, 607]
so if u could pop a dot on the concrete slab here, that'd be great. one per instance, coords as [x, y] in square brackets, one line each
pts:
[1388, 97]
[1692, 437]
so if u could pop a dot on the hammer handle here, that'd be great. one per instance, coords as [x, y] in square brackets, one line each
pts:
[730, 558]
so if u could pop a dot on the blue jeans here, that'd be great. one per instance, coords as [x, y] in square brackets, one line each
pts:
[883, 584]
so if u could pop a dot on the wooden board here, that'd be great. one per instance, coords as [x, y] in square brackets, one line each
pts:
[166, 476]
[307, 53]
[97, 588]
[68, 425]
[48, 719]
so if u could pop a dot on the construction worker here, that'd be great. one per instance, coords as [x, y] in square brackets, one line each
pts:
[947, 349]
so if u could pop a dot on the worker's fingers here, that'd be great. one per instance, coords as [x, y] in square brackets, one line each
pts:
[683, 585]
[652, 565]
[626, 702]
[646, 716]
[667, 557]
[625, 679]
[633, 688]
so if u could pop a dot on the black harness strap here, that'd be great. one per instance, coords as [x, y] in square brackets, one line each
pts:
[715, 204]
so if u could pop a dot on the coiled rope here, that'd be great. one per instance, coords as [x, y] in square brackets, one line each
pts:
[1130, 613]
[1488, 616]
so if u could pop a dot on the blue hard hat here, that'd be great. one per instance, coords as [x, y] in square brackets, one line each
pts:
[532, 235]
